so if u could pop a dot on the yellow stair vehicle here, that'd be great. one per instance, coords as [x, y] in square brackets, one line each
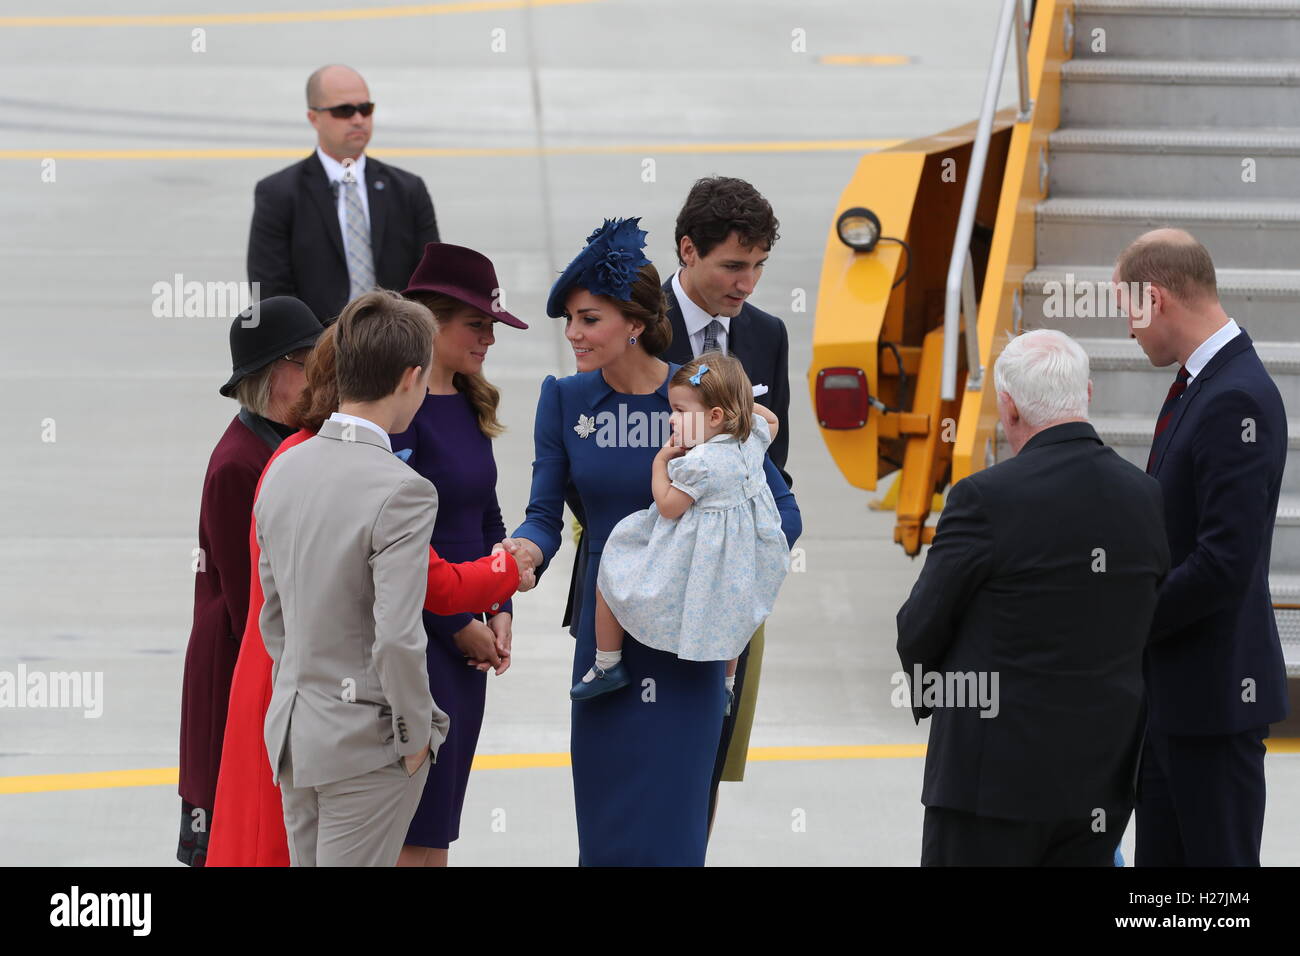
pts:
[1131, 114]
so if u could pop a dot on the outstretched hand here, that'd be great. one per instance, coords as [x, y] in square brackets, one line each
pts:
[527, 555]
[524, 563]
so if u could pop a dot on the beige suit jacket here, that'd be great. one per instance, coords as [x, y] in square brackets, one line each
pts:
[344, 528]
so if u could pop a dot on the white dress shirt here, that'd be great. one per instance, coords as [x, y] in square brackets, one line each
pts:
[1209, 348]
[364, 423]
[335, 172]
[697, 320]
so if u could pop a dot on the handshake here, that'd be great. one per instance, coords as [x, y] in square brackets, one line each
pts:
[527, 557]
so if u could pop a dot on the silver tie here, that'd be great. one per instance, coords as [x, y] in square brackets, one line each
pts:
[361, 263]
[711, 336]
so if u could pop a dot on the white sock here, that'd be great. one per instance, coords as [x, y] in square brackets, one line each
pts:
[604, 660]
[730, 682]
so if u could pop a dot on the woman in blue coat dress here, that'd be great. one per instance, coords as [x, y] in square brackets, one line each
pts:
[642, 758]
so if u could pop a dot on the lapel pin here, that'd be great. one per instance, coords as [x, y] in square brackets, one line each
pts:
[586, 425]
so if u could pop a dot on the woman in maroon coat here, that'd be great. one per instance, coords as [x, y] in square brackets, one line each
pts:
[268, 346]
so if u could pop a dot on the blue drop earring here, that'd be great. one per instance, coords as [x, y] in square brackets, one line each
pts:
[631, 340]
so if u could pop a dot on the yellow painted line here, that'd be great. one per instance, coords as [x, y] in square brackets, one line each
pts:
[168, 776]
[46, 783]
[518, 761]
[641, 149]
[297, 16]
[883, 59]
[871, 752]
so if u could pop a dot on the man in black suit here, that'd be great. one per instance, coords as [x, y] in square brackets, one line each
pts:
[725, 232]
[338, 223]
[1023, 636]
[1214, 668]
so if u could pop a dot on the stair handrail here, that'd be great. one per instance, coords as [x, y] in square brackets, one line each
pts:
[961, 283]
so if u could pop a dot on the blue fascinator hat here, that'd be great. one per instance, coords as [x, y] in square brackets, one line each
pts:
[608, 265]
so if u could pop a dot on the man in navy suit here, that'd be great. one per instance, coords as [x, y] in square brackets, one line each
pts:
[725, 232]
[1214, 670]
[338, 223]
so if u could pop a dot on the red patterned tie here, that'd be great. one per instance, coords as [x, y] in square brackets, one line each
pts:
[1167, 413]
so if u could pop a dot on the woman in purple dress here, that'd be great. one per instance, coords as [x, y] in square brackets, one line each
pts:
[450, 443]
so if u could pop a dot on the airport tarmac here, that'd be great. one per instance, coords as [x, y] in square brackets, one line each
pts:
[129, 157]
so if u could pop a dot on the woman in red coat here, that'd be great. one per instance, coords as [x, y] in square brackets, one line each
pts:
[249, 819]
[267, 351]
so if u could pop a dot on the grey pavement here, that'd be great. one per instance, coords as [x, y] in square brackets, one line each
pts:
[97, 527]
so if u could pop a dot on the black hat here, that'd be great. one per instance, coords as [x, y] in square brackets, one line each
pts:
[267, 330]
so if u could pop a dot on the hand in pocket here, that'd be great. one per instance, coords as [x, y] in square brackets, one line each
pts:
[413, 768]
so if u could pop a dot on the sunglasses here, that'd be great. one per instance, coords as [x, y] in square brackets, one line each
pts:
[346, 110]
[298, 358]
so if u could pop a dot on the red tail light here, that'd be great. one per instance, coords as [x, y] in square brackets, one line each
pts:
[842, 398]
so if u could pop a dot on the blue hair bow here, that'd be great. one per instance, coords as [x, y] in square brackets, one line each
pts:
[695, 379]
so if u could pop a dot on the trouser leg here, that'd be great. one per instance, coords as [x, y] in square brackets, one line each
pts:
[301, 816]
[363, 820]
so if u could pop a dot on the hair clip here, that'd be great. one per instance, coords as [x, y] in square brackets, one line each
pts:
[695, 379]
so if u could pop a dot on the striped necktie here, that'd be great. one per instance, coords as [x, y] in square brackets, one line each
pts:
[361, 263]
[1167, 412]
[711, 336]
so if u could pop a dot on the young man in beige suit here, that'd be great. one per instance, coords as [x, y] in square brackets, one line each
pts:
[344, 527]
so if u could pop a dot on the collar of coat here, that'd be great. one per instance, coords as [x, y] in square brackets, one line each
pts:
[595, 388]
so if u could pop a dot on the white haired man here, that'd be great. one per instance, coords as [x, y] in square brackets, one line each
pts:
[1023, 635]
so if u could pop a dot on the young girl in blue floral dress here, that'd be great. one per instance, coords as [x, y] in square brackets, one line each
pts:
[698, 571]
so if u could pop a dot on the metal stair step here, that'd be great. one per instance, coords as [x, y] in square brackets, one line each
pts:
[1288, 514]
[1124, 382]
[1286, 534]
[1105, 91]
[1259, 234]
[1206, 29]
[1282, 141]
[1154, 162]
[1191, 8]
[1284, 72]
[1130, 436]
[1129, 430]
[1266, 302]
[1122, 354]
[1285, 589]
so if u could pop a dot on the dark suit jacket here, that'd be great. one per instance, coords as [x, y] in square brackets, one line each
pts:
[1014, 585]
[295, 246]
[759, 341]
[1214, 625]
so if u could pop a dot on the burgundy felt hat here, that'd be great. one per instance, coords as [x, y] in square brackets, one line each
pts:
[462, 274]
